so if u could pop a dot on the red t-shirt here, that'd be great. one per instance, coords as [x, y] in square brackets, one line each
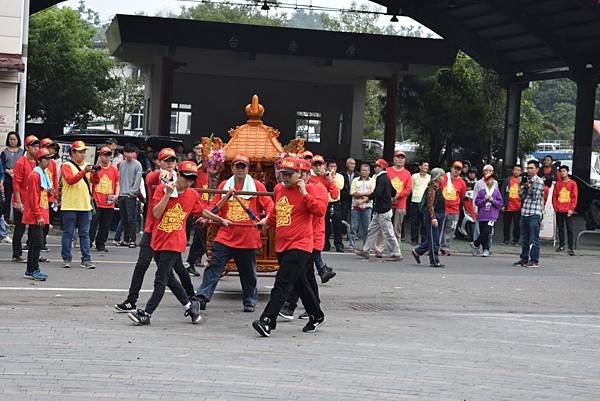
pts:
[334, 191]
[21, 171]
[36, 203]
[564, 196]
[53, 177]
[202, 183]
[237, 236]
[319, 221]
[169, 232]
[103, 184]
[152, 181]
[455, 196]
[293, 218]
[402, 183]
[513, 203]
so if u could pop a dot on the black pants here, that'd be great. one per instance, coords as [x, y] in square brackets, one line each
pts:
[143, 263]
[8, 191]
[514, 219]
[416, 222]
[128, 209]
[100, 227]
[45, 232]
[310, 277]
[333, 224]
[18, 234]
[292, 275]
[166, 261]
[35, 238]
[563, 219]
[346, 208]
[484, 235]
[198, 247]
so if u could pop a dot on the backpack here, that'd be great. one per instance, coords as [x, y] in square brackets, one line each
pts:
[423, 203]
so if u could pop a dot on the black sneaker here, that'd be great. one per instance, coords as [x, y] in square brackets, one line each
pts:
[313, 324]
[25, 247]
[202, 301]
[263, 326]
[327, 275]
[125, 307]
[192, 271]
[45, 249]
[416, 256]
[43, 259]
[571, 252]
[139, 317]
[194, 312]
[521, 263]
[19, 259]
[287, 312]
[248, 308]
[560, 249]
[437, 264]
[304, 316]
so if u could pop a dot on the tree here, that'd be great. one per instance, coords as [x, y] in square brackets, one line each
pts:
[66, 75]
[124, 98]
[232, 13]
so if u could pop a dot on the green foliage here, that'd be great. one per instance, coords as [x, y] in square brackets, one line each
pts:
[232, 13]
[374, 104]
[65, 74]
[124, 98]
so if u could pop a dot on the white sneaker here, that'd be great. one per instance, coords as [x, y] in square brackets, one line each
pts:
[485, 253]
[474, 249]
[6, 240]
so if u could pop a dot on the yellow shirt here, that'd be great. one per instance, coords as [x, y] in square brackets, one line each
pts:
[75, 197]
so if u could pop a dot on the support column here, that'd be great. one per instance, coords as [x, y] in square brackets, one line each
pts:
[358, 116]
[391, 118]
[584, 122]
[166, 96]
[512, 125]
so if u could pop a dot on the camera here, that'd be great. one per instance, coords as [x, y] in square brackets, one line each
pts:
[96, 168]
[525, 178]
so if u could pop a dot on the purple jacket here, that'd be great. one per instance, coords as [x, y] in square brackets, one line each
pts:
[488, 214]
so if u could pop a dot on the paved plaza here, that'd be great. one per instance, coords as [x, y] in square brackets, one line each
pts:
[478, 330]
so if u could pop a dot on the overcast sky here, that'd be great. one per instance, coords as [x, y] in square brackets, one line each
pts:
[108, 8]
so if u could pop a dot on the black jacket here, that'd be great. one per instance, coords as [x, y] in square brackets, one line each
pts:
[382, 194]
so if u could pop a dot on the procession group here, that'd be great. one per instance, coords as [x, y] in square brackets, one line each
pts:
[311, 201]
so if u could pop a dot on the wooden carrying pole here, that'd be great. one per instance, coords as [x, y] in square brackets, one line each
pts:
[222, 192]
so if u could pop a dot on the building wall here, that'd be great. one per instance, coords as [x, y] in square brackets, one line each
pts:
[218, 104]
[11, 12]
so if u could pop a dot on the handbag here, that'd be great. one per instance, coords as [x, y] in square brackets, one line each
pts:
[89, 187]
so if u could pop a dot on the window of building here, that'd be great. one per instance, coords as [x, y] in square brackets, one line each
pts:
[137, 120]
[308, 126]
[181, 119]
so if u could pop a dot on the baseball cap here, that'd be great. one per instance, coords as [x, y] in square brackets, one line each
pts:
[42, 153]
[241, 158]
[188, 169]
[167, 153]
[78, 145]
[307, 154]
[45, 142]
[457, 163]
[105, 150]
[31, 140]
[399, 153]
[304, 165]
[381, 163]
[111, 141]
[318, 159]
[290, 165]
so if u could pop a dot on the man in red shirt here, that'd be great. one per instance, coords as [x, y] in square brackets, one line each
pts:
[167, 162]
[23, 168]
[454, 190]
[564, 200]
[512, 205]
[401, 180]
[51, 172]
[36, 213]
[295, 208]
[171, 210]
[238, 238]
[105, 191]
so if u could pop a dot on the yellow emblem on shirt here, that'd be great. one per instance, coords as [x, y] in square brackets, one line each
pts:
[283, 210]
[513, 192]
[44, 200]
[398, 184]
[105, 186]
[172, 219]
[205, 194]
[564, 196]
[235, 211]
[449, 194]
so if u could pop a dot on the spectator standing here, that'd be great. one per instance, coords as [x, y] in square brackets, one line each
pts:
[333, 218]
[564, 200]
[130, 178]
[52, 173]
[105, 180]
[479, 185]
[532, 197]
[471, 178]
[9, 157]
[454, 190]
[117, 157]
[489, 202]
[512, 205]
[420, 181]
[401, 180]
[76, 205]
[361, 188]
[346, 197]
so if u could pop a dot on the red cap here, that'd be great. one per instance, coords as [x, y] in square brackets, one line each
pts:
[241, 158]
[105, 150]
[307, 154]
[31, 139]
[43, 152]
[304, 165]
[188, 169]
[381, 163]
[78, 145]
[45, 142]
[290, 165]
[399, 153]
[457, 163]
[166, 153]
[318, 159]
